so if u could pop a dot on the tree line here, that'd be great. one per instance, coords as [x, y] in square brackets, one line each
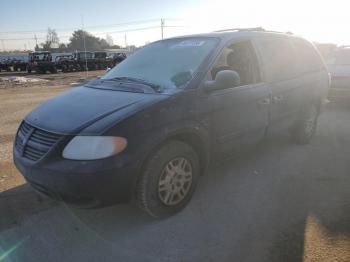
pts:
[79, 40]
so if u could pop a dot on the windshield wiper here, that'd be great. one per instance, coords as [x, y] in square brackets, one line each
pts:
[155, 87]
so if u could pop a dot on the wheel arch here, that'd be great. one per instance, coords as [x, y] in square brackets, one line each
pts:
[197, 140]
[197, 143]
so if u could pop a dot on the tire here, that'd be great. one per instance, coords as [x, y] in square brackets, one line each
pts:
[306, 124]
[164, 188]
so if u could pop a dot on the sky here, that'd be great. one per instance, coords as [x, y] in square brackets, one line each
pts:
[138, 22]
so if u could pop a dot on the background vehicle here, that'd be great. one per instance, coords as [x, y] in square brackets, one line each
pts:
[81, 61]
[117, 58]
[148, 133]
[339, 68]
[5, 65]
[64, 63]
[19, 65]
[13, 65]
[40, 62]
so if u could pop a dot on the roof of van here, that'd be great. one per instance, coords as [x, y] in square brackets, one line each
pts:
[241, 32]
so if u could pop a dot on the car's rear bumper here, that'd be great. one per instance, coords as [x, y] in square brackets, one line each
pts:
[88, 184]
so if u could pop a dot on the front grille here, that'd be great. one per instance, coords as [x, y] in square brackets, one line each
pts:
[33, 143]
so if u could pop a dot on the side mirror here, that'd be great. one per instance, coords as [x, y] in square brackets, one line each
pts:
[224, 79]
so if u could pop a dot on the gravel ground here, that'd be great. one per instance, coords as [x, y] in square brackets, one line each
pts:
[279, 202]
[16, 100]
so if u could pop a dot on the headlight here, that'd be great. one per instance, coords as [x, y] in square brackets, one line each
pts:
[93, 147]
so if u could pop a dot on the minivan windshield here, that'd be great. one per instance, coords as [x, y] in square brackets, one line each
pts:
[168, 63]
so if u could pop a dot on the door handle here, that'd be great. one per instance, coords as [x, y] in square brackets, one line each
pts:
[265, 101]
[277, 99]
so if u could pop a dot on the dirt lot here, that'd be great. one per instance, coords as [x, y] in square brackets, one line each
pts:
[281, 202]
[16, 100]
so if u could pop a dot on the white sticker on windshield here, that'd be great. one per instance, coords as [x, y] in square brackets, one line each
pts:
[189, 43]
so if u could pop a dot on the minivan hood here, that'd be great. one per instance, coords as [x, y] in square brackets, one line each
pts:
[80, 107]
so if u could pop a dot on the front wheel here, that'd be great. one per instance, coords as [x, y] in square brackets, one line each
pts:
[168, 180]
[306, 125]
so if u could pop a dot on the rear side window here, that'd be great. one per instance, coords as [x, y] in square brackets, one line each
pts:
[279, 58]
[308, 58]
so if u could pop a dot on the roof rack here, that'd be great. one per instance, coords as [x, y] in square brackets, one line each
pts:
[251, 29]
[241, 29]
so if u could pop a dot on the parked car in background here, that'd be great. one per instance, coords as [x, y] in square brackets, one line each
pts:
[19, 65]
[150, 127]
[90, 61]
[64, 63]
[339, 68]
[40, 62]
[12, 64]
[4, 65]
[118, 57]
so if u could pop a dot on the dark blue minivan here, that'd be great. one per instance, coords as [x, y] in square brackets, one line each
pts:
[148, 129]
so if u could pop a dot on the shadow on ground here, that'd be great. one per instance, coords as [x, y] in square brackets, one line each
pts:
[20, 203]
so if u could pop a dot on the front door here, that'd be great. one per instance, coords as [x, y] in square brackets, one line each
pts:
[239, 115]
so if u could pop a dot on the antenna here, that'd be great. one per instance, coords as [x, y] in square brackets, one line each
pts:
[241, 29]
[82, 28]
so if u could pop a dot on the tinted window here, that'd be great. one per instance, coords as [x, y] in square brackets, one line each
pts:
[241, 58]
[279, 58]
[85, 55]
[308, 58]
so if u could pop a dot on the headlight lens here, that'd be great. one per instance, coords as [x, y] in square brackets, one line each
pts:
[94, 147]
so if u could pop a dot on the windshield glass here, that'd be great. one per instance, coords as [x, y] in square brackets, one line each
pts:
[170, 63]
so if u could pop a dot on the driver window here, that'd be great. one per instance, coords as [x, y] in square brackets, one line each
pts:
[241, 58]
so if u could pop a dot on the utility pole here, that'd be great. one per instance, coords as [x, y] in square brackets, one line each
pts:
[36, 42]
[162, 27]
[82, 28]
[126, 43]
[3, 45]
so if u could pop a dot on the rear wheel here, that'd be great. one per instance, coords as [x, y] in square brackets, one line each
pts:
[168, 180]
[306, 124]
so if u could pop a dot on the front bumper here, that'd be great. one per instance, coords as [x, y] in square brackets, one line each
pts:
[88, 184]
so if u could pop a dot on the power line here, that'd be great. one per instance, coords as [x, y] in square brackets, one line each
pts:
[98, 33]
[90, 27]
